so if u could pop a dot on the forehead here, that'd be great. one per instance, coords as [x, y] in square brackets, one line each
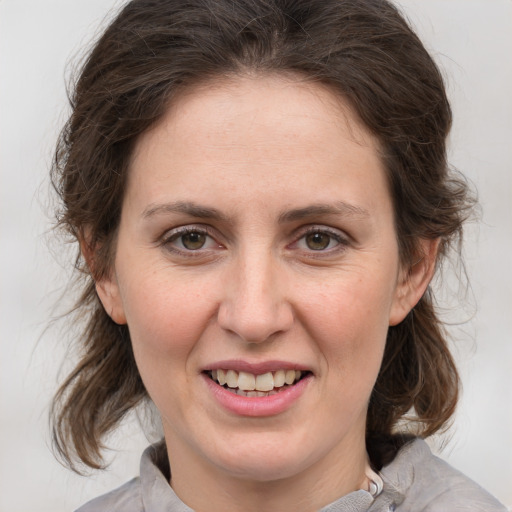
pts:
[262, 103]
[273, 131]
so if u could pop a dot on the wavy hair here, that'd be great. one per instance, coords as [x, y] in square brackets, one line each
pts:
[366, 52]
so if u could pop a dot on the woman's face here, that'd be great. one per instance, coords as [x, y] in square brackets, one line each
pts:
[256, 239]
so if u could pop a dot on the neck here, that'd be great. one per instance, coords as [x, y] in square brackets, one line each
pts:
[207, 488]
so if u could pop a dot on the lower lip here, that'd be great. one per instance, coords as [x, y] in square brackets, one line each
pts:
[259, 405]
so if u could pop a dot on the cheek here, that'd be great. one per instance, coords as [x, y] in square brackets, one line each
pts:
[349, 320]
[166, 316]
[353, 306]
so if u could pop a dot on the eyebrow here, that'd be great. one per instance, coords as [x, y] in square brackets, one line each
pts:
[339, 208]
[184, 207]
[204, 212]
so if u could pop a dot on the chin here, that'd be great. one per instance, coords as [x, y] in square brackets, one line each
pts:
[266, 460]
[264, 469]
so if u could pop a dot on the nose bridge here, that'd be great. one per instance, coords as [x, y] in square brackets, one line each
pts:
[255, 306]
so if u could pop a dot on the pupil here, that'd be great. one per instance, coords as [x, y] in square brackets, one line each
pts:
[318, 241]
[193, 241]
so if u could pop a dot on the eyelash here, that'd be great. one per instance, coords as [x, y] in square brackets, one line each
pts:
[175, 234]
[342, 241]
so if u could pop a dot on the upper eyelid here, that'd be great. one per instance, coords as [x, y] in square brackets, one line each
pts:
[319, 228]
[187, 228]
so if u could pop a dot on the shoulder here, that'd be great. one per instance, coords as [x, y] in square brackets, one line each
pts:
[127, 498]
[150, 492]
[429, 484]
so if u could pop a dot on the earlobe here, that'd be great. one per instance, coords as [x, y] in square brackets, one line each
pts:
[414, 280]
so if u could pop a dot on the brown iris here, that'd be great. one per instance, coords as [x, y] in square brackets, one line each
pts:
[193, 240]
[318, 241]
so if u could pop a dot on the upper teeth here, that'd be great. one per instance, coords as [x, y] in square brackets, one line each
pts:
[249, 382]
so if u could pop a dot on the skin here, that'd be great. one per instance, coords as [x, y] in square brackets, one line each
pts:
[261, 151]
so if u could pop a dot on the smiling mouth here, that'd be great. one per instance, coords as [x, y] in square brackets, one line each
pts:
[250, 385]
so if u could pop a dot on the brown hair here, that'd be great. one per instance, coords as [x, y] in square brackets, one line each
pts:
[366, 52]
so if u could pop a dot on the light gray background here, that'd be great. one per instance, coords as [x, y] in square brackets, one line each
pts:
[472, 41]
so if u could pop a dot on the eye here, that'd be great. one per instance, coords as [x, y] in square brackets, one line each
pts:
[189, 239]
[319, 240]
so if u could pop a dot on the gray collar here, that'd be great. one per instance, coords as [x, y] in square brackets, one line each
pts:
[158, 496]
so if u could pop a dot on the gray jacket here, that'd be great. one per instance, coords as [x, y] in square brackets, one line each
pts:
[416, 481]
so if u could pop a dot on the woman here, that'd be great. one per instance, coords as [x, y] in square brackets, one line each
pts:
[261, 196]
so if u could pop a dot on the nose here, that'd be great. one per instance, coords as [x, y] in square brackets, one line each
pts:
[254, 305]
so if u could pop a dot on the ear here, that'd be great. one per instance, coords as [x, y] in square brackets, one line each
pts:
[107, 286]
[413, 280]
[107, 289]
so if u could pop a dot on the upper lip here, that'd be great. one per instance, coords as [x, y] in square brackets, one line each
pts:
[256, 368]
